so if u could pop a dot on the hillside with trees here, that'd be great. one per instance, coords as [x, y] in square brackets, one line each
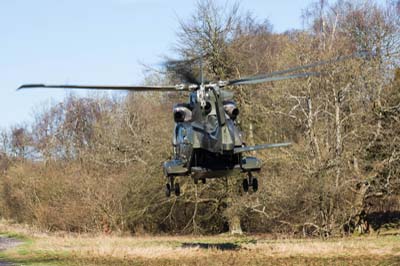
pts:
[94, 164]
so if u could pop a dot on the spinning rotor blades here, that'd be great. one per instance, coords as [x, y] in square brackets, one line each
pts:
[262, 79]
[281, 75]
[185, 70]
[95, 87]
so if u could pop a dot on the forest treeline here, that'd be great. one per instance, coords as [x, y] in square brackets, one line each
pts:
[91, 164]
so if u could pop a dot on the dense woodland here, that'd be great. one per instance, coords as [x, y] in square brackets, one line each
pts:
[93, 164]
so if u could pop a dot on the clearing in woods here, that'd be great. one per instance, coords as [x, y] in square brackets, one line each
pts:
[72, 249]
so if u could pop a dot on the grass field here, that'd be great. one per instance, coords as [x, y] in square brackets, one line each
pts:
[68, 249]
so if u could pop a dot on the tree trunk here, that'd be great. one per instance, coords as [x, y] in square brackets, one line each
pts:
[311, 132]
[234, 225]
[338, 129]
[234, 207]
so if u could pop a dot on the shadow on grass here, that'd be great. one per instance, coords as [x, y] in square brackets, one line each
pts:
[217, 246]
[383, 220]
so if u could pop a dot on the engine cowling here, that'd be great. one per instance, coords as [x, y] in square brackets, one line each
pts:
[231, 109]
[182, 113]
[208, 108]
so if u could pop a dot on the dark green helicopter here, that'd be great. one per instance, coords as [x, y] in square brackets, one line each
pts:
[207, 142]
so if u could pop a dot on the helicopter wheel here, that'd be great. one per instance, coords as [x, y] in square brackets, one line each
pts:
[255, 184]
[177, 189]
[168, 190]
[196, 180]
[245, 185]
[203, 180]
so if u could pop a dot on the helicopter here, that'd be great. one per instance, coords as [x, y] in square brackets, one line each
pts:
[207, 142]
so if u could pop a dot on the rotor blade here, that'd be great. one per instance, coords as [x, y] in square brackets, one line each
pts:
[184, 70]
[181, 87]
[361, 54]
[256, 80]
[193, 60]
[261, 147]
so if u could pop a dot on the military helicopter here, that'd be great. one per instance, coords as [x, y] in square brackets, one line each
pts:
[207, 142]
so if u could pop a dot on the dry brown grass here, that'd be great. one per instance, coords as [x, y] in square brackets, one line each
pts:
[70, 249]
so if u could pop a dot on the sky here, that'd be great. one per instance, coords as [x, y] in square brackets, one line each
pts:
[100, 42]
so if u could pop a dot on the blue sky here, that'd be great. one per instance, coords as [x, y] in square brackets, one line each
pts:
[95, 42]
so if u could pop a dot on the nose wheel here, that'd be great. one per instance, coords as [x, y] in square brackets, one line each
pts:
[250, 181]
[171, 186]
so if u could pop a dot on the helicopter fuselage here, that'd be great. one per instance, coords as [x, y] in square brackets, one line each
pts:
[205, 137]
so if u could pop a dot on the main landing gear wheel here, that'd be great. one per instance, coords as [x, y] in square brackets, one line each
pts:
[177, 189]
[255, 184]
[168, 190]
[245, 185]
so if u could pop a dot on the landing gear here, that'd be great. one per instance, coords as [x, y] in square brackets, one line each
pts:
[177, 189]
[168, 190]
[255, 184]
[245, 185]
[172, 186]
[250, 181]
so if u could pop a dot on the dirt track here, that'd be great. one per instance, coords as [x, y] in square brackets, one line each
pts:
[6, 243]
